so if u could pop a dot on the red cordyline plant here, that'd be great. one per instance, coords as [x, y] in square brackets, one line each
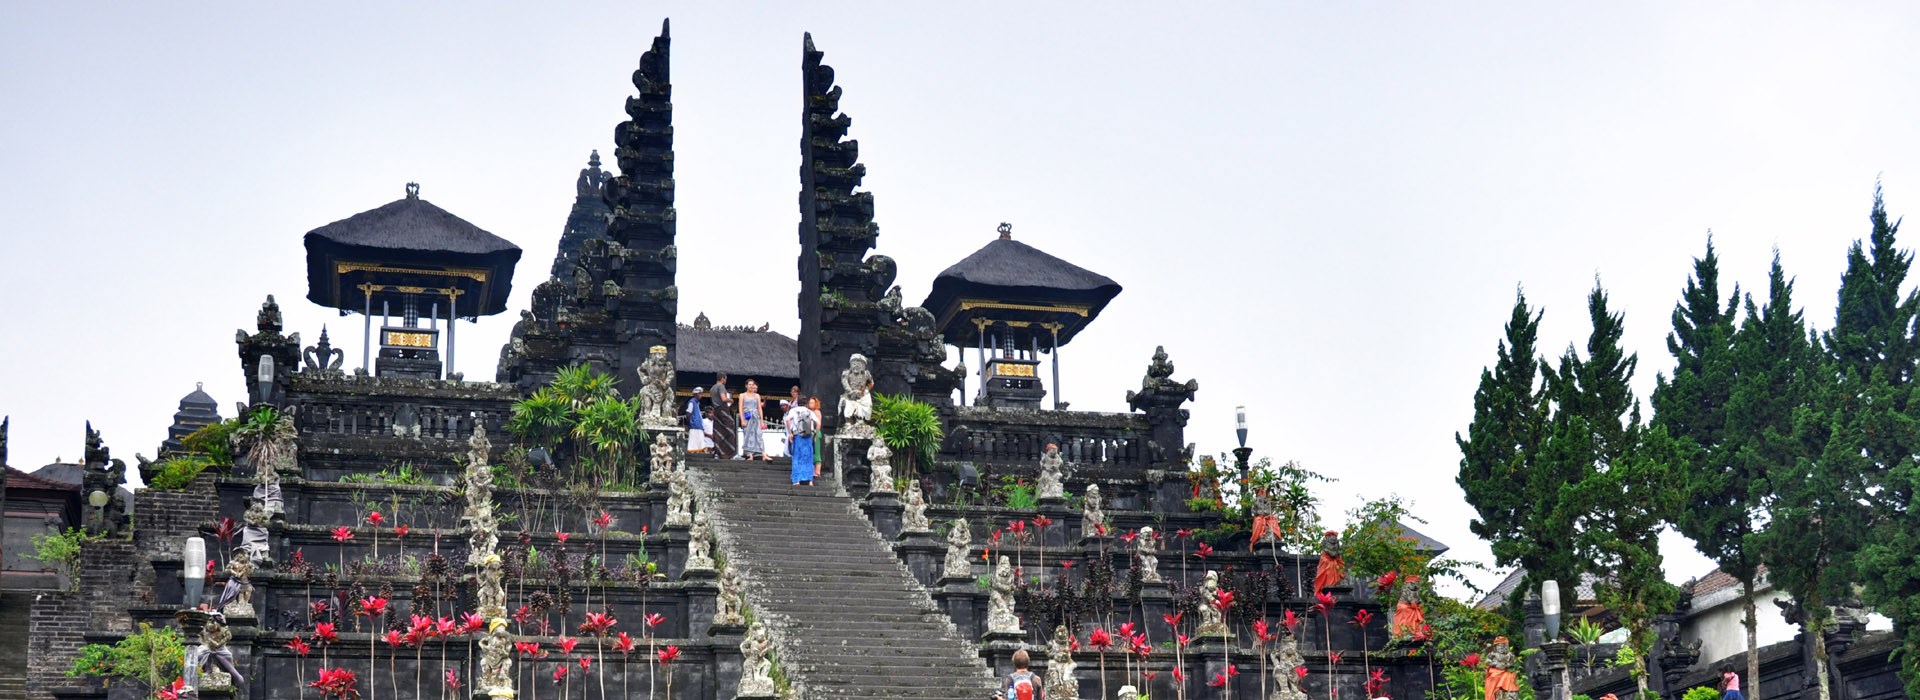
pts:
[1376, 685]
[1040, 524]
[325, 635]
[1262, 637]
[372, 608]
[597, 624]
[226, 531]
[1323, 605]
[624, 645]
[341, 536]
[173, 690]
[1101, 641]
[1222, 601]
[336, 683]
[376, 520]
[667, 657]
[1179, 644]
[653, 620]
[300, 648]
[1124, 634]
[1360, 619]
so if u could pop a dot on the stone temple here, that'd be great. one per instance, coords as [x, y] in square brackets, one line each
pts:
[376, 525]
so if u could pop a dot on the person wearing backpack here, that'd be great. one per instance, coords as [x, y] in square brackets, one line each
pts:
[802, 424]
[1022, 684]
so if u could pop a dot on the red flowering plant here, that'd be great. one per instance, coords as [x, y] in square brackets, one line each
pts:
[453, 679]
[1376, 684]
[1101, 641]
[172, 690]
[1361, 618]
[667, 657]
[337, 683]
[472, 623]
[376, 520]
[597, 624]
[623, 644]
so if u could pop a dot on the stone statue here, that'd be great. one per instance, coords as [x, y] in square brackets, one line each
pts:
[756, 670]
[1050, 478]
[1061, 685]
[1000, 617]
[662, 465]
[732, 600]
[1283, 657]
[915, 517]
[856, 398]
[211, 651]
[1503, 682]
[1266, 526]
[1332, 570]
[1128, 692]
[1212, 623]
[881, 460]
[679, 499]
[1147, 547]
[959, 550]
[236, 600]
[490, 593]
[406, 421]
[656, 390]
[1093, 520]
[1409, 617]
[700, 544]
[253, 537]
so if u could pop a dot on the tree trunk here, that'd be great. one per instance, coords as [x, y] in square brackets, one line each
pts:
[1814, 637]
[1751, 685]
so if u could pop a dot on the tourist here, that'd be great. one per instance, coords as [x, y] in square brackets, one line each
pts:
[1022, 684]
[724, 445]
[819, 424]
[697, 440]
[793, 397]
[801, 424]
[752, 421]
[1729, 683]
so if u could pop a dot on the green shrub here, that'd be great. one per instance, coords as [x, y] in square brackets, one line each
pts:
[911, 428]
[1701, 693]
[214, 441]
[62, 550]
[178, 471]
[150, 657]
[1016, 494]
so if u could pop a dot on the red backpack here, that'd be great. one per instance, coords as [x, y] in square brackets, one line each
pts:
[1022, 686]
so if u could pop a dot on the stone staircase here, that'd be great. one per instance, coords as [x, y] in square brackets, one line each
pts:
[14, 606]
[848, 619]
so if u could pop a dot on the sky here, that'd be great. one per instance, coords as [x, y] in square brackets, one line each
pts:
[1321, 210]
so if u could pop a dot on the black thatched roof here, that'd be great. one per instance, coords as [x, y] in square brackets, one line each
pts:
[62, 473]
[1008, 271]
[414, 234]
[739, 352]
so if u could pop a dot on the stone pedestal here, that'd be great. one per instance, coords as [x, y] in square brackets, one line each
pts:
[1156, 599]
[726, 658]
[924, 557]
[1559, 685]
[654, 504]
[850, 463]
[885, 510]
[677, 537]
[997, 650]
[1055, 533]
[960, 598]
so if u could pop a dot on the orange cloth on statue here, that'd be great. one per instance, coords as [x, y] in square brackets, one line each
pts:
[1407, 618]
[1261, 525]
[1332, 571]
[1500, 679]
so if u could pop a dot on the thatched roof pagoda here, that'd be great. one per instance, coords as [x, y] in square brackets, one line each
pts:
[1009, 282]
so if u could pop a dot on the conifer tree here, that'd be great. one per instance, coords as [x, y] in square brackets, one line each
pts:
[1775, 368]
[1615, 478]
[1877, 350]
[1692, 404]
[1498, 454]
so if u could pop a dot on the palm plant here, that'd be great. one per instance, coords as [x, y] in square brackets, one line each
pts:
[610, 428]
[911, 428]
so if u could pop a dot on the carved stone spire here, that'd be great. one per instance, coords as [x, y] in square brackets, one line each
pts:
[840, 286]
[588, 219]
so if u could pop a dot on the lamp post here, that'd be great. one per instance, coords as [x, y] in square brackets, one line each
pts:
[98, 516]
[194, 572]
[1240, 455]
[1553, 650]
[265, 379]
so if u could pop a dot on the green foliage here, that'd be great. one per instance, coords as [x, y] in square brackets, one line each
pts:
[215, 441]
[405, 474]
[62, 550]
[1016, 493]
[1459, 628]
[911, 428]
[1375, 543]
[1584, 631]
[580, 419]
[179, 470]
[1701, 693]
[149, 656]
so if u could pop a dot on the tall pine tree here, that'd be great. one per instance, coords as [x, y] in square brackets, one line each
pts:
[1694, 407]
[1614, 477]
[1877, 348]
[1498, 454]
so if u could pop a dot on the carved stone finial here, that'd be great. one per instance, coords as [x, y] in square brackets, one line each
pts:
[593, 161]
[701, 322]
[323, 357]
[413, 190]
[1006, 231]
[268, 320]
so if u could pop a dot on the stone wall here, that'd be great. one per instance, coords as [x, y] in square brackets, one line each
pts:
[60, 621]
[162, 521]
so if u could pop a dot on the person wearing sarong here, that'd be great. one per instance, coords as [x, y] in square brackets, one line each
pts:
[697, 440]
[752, 420]
[724, 445]
[813, 405]
[801, 425]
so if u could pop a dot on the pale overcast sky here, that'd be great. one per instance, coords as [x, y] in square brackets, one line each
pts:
[1321, 209]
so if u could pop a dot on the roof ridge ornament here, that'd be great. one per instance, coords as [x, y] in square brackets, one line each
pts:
[413, 190]
[1006, 231]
